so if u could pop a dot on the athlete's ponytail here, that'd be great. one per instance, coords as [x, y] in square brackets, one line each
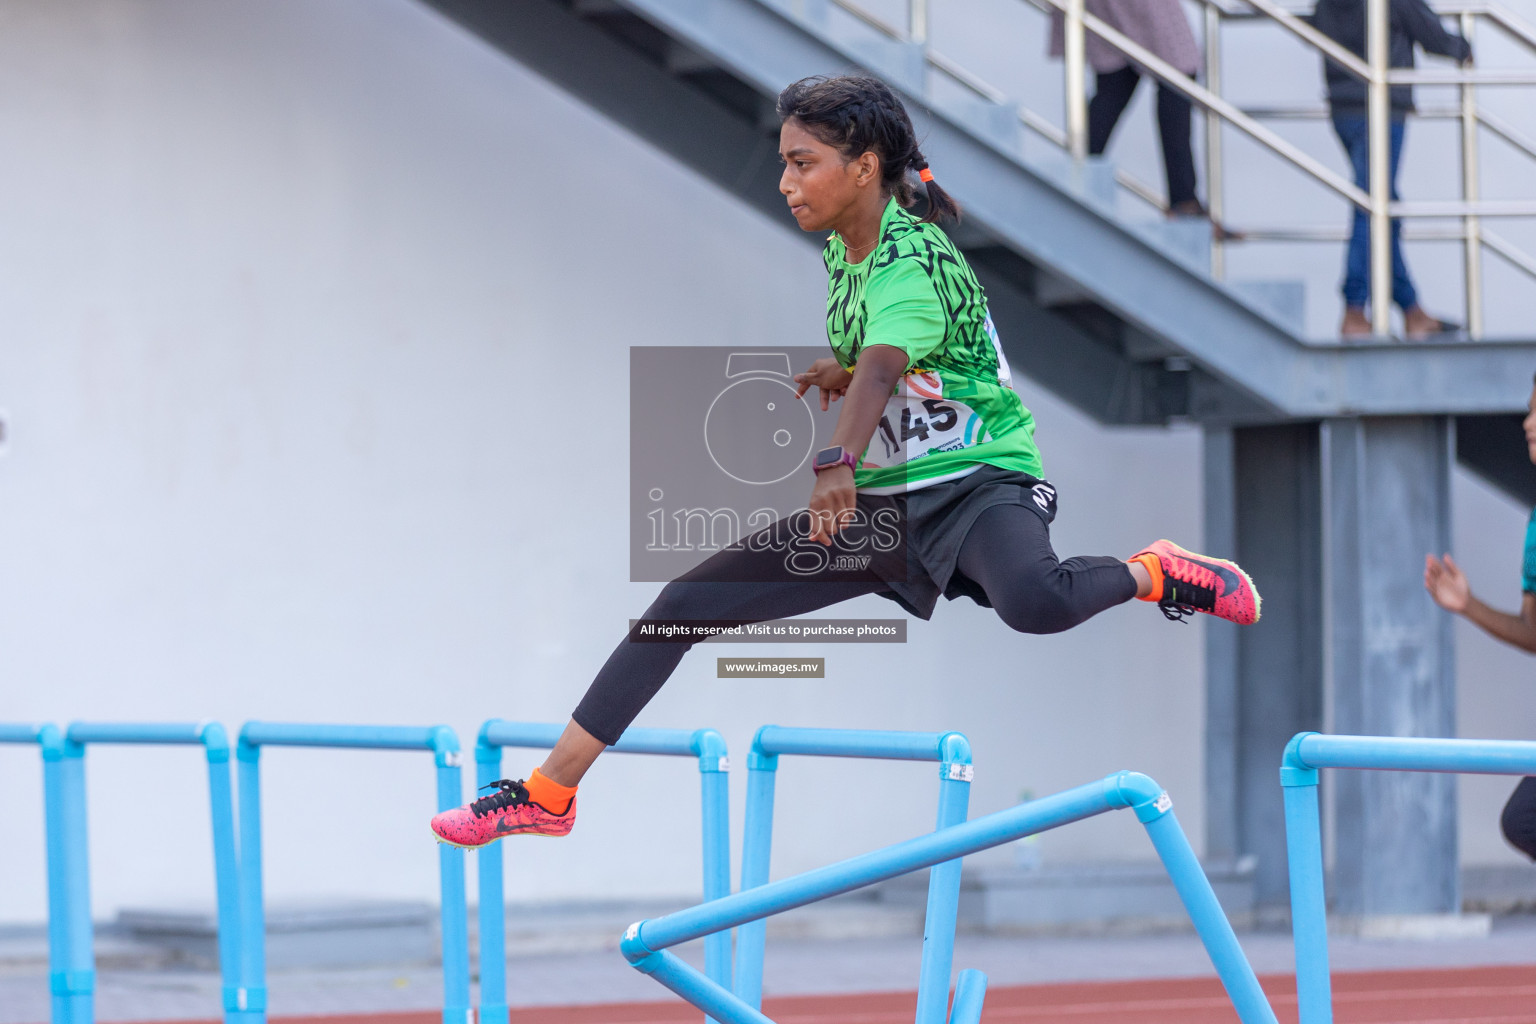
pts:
[856, 114]
[941, 205]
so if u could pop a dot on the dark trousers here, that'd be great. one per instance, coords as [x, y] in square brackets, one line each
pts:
[1007, 552]
[1354, 133]
[1519, 818]
[1173, 117]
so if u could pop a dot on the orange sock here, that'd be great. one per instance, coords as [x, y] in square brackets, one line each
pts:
[1154, 567]
[549, 794]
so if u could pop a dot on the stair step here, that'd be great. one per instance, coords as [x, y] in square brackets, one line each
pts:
[1285, 302]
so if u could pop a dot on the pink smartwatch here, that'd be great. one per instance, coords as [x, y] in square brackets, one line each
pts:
[837, 455]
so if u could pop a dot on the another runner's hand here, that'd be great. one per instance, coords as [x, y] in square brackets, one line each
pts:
[1446, 583]
[832, 502]
[827, 375]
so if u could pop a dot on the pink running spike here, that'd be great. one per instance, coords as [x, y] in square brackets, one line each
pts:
[1204, 584]
[508, 812]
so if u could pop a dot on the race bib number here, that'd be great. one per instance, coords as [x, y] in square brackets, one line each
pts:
[920, 421]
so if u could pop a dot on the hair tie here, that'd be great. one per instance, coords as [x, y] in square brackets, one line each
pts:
[925, 174]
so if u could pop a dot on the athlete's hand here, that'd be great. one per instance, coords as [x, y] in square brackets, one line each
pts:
[827, 375]
[1446, 583]
[832, 502]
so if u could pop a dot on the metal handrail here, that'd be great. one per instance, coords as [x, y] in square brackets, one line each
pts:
[1207, 100]
[1470, 208]
[1494, 123]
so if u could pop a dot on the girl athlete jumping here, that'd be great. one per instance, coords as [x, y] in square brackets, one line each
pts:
[932, 447]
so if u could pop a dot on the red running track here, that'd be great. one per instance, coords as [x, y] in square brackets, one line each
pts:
[1476, 995]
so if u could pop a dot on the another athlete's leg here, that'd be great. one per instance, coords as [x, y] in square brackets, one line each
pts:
[1008, 553]
[1519, 818]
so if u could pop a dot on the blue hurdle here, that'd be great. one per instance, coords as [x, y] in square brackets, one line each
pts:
[646, 943]
[444, 745]
[953, 753]
[1304, 755]
[71, 977]
[704, 744]
[79, 977]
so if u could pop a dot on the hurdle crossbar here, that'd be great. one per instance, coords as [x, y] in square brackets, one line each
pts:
[1308, 752]
[646, 943]
[706, 745]
[951, 750]
[443, 744]
[70, 926]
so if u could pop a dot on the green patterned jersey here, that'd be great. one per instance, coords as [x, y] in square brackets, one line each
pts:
[956, 408]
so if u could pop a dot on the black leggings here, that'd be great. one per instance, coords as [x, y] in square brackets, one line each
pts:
[1519, 818]
[1173, 122]
[1007, 552]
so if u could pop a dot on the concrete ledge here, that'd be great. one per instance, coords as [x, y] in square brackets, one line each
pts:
[534, 929]
[1077, 899]
[1103, 898]
[334, 934]
[1412, 927]
[1499, 889]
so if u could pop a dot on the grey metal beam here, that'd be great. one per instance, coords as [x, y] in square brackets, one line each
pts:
[1494, 448]
[1089, 369]
[1263, 683]
[1280, 660]
[1223, 792]
[1387, 484]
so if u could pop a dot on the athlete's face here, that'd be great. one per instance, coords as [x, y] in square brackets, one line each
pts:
[822, 188]
[1530, 428]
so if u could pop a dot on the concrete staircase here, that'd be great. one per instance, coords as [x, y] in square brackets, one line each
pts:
[1120, 316]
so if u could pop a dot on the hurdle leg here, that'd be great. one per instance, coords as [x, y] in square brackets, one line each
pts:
[970, 994]
[1309, 911]
[493, 911]
[1205, 911]
[74, 987]
[251, 996]
[756, 852]
[943, 912]
[455, 923]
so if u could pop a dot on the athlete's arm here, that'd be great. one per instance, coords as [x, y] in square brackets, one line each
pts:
[880, 367]
[1448, 585]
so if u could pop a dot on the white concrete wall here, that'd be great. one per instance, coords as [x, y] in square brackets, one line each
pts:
[303, 305]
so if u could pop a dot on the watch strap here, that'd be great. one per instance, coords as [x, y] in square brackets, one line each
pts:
[848, 459]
